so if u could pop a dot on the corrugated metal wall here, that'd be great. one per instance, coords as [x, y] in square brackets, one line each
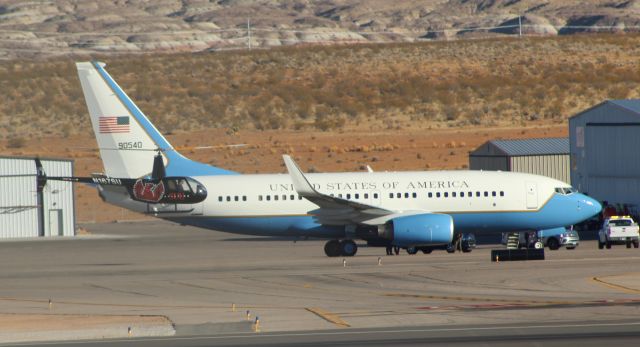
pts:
[18, 199]
[605, 157]
[554, 166]
[488, 163]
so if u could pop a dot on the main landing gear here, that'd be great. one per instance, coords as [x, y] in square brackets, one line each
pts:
[337, 248]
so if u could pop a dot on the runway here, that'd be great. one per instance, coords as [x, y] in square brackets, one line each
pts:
[202, 284]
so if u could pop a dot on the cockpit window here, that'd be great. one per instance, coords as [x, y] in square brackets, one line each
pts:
[565, 190]
[199, 189]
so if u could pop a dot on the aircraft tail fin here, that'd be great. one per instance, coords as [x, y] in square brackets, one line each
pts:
[128, 141]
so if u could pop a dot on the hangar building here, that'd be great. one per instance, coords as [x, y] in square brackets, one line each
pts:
[20, 213]
[605, 157]
[547, 157]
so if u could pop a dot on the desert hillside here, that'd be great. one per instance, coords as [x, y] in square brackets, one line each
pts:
[376, 87]
[37, 29]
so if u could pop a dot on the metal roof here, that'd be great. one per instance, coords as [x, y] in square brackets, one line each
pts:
[545, 146]
[630, 104]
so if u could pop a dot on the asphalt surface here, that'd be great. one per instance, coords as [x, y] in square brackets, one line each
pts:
[203, 282]
[622, 333]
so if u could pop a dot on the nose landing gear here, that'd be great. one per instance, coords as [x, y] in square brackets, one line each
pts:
[337, 248]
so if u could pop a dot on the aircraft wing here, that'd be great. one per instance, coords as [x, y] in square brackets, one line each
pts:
[337, 211]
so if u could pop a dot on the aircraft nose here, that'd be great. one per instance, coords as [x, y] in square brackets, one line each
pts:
[591, 206]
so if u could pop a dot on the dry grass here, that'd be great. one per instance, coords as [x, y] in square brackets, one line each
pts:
[394, 86]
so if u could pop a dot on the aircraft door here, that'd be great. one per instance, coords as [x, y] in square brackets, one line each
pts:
[532, 195]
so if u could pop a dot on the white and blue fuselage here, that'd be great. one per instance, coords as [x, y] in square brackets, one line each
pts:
[478, 201]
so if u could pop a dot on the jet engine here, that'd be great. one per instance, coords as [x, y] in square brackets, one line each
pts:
[420, 230]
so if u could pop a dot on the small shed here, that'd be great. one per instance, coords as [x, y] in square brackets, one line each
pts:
[21, 215]
[546, 157]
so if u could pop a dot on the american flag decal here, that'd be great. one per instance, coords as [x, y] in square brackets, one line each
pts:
[110, 125]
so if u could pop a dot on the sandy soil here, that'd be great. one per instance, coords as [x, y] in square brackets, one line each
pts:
[347, 150]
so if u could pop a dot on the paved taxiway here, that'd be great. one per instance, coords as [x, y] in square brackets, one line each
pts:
[564, 334]
[194, 276]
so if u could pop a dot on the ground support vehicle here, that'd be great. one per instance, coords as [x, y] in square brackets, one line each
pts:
[618, 230]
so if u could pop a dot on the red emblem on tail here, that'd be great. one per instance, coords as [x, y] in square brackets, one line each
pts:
[148, 191]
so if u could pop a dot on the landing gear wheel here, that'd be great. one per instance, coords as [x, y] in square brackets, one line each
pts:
[553, 244]
[348, 248]
[412, 250]
[466, 249]
[427, 250]
[628, 244]
[636, 243]
[538, 245]
[332, 248]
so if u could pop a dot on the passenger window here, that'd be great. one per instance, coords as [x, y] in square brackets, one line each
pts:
[366, 195]
[446, 194]
[244, 198]
[235, 198]
[453, 194]
[228, 198]
[219, 198]
[430, 195]
[406, 195]
[375, 195]
[415, 195]
[501, 193]
[486, 194]
[477, 194]
[284, 197]
[275, 197]
[470, 194]
[340, 195]
[348, 196]
[299, 197]
[493, 194]
[292, 197]
[437, 194]
[259, 197]
[390, 195]
[268, 197]
[398, 195]
[462, 194]
[357, 196]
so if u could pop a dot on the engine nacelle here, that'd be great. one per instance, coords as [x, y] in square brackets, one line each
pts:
[420, 230]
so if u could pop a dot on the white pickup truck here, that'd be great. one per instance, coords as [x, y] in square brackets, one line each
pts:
[618, 230]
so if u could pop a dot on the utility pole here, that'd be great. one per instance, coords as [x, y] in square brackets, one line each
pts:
[249, 32]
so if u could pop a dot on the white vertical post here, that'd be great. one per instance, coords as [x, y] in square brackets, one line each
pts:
[249, 32]
[520, 26]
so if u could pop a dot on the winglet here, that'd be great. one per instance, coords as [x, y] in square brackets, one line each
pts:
[300, 183]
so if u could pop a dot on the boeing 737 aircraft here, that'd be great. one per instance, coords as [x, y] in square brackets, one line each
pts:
[403, 209]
